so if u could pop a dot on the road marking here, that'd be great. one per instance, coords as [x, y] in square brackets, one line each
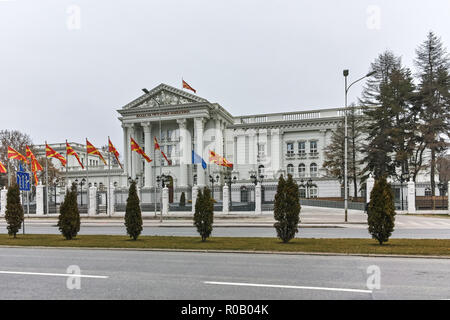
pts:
[286, 287]
[54, 274]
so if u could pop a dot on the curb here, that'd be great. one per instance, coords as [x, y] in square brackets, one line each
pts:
[368, 255]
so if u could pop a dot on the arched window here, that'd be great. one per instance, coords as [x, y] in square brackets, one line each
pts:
[313, 192]
[427, 191]
[302, 192]
[301, 170]
[313, 170]
[290, 169]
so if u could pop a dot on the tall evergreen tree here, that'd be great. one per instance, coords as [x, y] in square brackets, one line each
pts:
[204, 213]
[14, 211]
[393, 141]
[69, 216]
[334, 152]
[287, 208]
[433, 69]
[381, 211]
[133, 216]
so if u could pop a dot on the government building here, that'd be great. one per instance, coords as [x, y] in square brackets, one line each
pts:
[261, 147]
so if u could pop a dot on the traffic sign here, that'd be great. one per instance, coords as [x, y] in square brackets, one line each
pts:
[23, 180]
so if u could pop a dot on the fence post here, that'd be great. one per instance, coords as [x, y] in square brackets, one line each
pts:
[3, 201]
[226, 200]
[258, 199]
[411, 197]
[92, 210]
[369, 186]
[448, 197]
[165, 201]
[39, 199]
[194, 197]
[111, 199]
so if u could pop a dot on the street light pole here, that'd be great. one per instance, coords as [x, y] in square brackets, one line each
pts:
[346, 138]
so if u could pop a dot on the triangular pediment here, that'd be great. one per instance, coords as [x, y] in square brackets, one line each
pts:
[164, 95]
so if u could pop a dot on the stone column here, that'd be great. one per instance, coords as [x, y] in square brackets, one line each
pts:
[251, 147]
[128, 152]
[219, 137]
[226, 199]
[148, 178]
[199, 127]
[411, 197]
[194, 197]
[369, 186]
[39, 199]
[133, 154]
[258, 199]
[126, 148]
[185, 152]
[92, 209]
[240, 147]
[111, 199]
[165, 201]
[276, 145]
[3, 201]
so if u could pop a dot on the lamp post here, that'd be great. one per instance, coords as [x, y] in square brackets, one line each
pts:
[229, 181]
[255, 180]
[211, 179]
[162, 178]
[403, 177]
[345, 73]
[81, 189]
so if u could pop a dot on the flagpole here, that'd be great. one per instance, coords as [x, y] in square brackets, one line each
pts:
[9, 174]
[87, 179]
[108, 209]
[46, 179]
[67, 165]
[160, 165]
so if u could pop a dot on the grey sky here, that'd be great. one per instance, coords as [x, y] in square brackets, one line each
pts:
[58, 83]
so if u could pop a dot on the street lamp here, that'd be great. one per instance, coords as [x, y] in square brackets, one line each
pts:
[163, 179]
[229, 181]
[81, 189]
[403, 177]
[255, 180]
[211, 179]
[345, 73]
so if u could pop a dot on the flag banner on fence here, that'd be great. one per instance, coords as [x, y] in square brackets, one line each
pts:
[51, 153]
[219, 160]
[114, 151]
[13, 154]
[187, 86]
[71, 152]
[93, 150]
[2, 168]
[157, 147]
[138, 149]
[197, 159]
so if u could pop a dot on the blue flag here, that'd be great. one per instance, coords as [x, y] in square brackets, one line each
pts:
[197, 159]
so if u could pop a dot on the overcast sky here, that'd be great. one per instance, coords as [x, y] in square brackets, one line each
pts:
[67, 66]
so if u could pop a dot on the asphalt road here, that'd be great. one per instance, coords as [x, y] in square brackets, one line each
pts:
[306, 232]
[116, 274]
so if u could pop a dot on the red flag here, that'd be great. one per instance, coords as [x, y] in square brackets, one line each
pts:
[157, 147]
[2, 168]
[35, 166]
[113, 150]
[135, 147]
[51, 153]
[219, 160]
[13, 154]
[93, 150]
[71, 152]
[187, 86]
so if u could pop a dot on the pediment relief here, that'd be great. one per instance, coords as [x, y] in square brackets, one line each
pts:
[166, 98]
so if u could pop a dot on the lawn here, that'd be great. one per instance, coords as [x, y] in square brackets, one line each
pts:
[347, 246]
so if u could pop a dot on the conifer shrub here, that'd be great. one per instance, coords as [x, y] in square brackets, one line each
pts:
[69, 215]
[287, 209]
[204, 213]
[14, 210]
[133, 216]
[381, 211]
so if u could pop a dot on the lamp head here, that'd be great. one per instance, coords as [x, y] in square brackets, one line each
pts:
[345, 72]
[371, 74]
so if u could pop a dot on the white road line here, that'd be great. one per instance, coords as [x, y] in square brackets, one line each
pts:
[286, 287]
[54, 274]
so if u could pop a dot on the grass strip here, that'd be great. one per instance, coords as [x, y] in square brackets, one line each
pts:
[437, 247]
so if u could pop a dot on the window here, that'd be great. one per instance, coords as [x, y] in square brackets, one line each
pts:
[301, 170]
[290, 149]
[290, 169]
[169, 135]
[313, 192]
[169, 151]
[427, 191]
[301, 148]
[261, 150]
[313, 170]
[260, 170]
[302, 192]
[313, 147]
